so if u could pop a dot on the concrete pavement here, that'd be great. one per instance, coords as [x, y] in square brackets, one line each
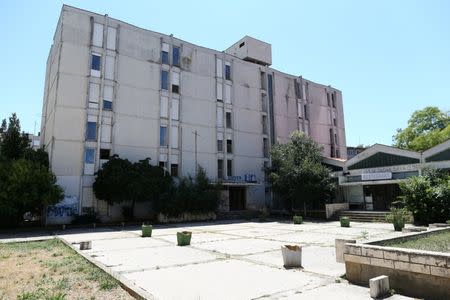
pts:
[229, 260]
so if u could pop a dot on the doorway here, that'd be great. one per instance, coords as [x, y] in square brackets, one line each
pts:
[237, 198]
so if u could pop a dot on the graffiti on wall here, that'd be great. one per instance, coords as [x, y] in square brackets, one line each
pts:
[62, 212]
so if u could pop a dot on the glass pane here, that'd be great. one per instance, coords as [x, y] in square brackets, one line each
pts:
[107, 105]
[227, 72]
[95, 64]
[162, 136]
[164, 80]
[89, 156]
[165, 57]
[91, 131]
[176, 56]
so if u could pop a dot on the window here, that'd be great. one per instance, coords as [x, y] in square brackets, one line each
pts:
[175, 82]
[164, 107]
[227, 93]
[108, 92]
[91, 131]
[104, 153]
[96, 62]
[263, 81]
[241, 44]
[165, 57]
[220, 168]
[163, 136]
[176, 56]
[174, 137]
[328, 99]
[164, 80]
[228, 119]
[306, 112]
[109, 67]
[94, 94]
[219, 145]
[331, 136]
[333, 99]
[111, 42]
[229, 167]
[263, 103]
[334, 122]
[335, 138]
[175, 106]
[264, 124]
[107, 105]
[219, 91]
[174, 170]
[265, 147]
[89, 156]
[227, 71]
[162, 164]
[229, 146]
[219, 68]
[338, 153]
[97, 36]
[219, 116]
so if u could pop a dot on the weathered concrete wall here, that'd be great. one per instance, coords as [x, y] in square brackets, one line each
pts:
[332, 208]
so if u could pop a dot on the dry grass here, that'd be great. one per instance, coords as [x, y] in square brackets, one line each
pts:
[439, 242]
[50, 270]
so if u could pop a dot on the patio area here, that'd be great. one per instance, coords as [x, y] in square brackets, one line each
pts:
[229, 260]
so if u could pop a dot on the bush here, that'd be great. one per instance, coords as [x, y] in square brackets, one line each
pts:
[192, 196]
[398, 217]
[427, 197]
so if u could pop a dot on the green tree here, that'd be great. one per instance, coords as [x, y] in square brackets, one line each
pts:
[13, 142]
[26, 183]
[25, 186]
[297, 174]
[427, 196]
[120, 180]
[426, 128]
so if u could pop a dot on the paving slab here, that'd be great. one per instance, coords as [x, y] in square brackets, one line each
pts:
[79, 235]
[336, 291]
[147, 258]
[242, 246]
[228, 279]
[126, 244]
[199, 237]
[258, 232]
[320, 260]
[305, 238]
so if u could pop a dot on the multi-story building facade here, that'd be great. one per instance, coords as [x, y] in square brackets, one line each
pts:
[114, 88]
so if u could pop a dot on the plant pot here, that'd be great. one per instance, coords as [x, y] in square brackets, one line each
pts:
[297, 219]
[398, 226]
[184, 238]
[147, 230]
[292, 256]
[448, 222]
[345, 222]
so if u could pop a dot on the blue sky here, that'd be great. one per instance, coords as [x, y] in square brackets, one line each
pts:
[388, 58]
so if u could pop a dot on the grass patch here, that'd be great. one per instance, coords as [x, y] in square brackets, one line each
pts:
[439, 242]
[49, 270]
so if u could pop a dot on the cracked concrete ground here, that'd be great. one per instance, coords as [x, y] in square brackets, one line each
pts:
[230, 260]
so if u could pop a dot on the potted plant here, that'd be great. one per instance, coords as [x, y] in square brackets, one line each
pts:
[184, 238]
[297, 219]
[345, 221]
[398, 217]
[292, 256]
[146, 230]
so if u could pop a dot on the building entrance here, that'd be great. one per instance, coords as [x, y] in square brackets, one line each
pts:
[237, 196]
[380, 197]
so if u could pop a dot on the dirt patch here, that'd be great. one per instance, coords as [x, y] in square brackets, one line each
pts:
[51, 270]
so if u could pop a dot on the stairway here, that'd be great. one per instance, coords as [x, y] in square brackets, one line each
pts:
[363, 216]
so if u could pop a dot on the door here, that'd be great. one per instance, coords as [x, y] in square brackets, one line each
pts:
[237, 198]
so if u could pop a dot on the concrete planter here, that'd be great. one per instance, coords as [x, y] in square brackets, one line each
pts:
[292, 256]
[297, 219]
[184, 238]
[147, 230]
[87, 245]
[345, 222]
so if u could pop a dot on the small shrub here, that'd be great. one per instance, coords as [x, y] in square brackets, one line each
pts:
[398, 217]
[297, 219]
[345, 221]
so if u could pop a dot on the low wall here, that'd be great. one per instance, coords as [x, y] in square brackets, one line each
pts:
[415, 273]
[332, 208]
[187, 217]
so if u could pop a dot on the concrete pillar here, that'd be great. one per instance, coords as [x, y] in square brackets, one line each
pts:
[339, 245]
[379, 286]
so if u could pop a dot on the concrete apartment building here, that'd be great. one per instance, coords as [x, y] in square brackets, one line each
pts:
[114, 88]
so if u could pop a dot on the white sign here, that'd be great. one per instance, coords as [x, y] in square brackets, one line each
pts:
[376, 176]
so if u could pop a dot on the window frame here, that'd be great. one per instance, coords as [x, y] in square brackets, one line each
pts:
[165, 83]
[163, 142]
[176, 62]
[89, 130]
[92, 153]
